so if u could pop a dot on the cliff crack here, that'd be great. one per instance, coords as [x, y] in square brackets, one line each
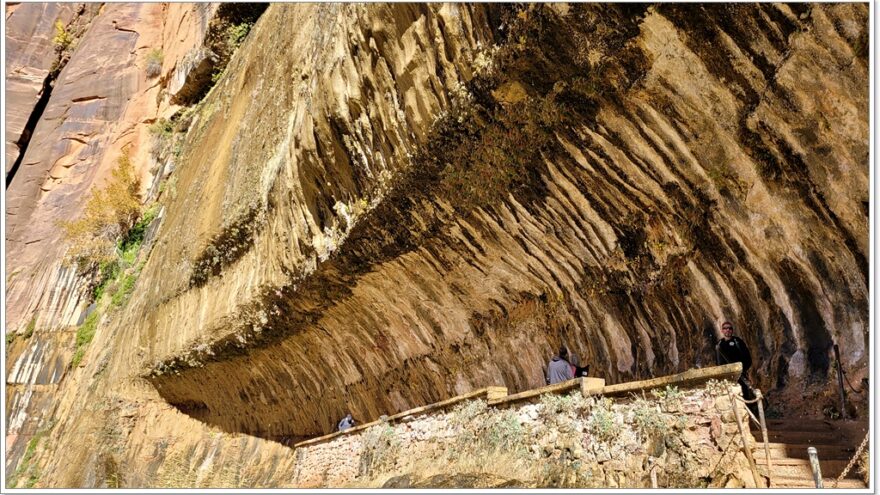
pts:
[31, 124]
[62, 57]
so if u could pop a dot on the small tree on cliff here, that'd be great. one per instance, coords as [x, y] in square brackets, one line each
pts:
[108, 216]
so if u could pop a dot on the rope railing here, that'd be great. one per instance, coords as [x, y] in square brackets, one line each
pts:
[742, 433]
[760, 423]
[846, 378]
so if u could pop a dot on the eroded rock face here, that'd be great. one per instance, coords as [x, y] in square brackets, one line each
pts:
[90, 120]
[372, 216]
[360, 104]
[195, 73]
[71, 150]
[669, 202]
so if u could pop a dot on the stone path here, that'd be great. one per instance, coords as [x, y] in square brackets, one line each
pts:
[835, 441]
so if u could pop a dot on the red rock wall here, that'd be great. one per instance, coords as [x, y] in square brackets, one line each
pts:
[30, 55]
[90, 119]
[102, 103]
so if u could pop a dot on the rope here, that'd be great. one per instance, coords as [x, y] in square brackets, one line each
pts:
[763, 427]
[751, 415]
[747, 401]
[850, 384]
[852, 462]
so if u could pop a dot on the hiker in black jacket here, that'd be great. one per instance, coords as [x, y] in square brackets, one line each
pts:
[732, 349]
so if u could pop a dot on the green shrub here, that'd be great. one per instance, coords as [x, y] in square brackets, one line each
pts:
[670, 398]
[86, 332]
[480, 429]
[33, 478]
[504, 432]
[31, 326]
[648, 420]
[126, 287]
[601, 422]
[77, 356]
[232, 38]
[84, 335]
[130, 246]
[107, 272]
[556, 405]
[465, 416]
[161, 127]
[236, 33]
[154, 60]
[162, 131]
[62, 38]
[109, 215]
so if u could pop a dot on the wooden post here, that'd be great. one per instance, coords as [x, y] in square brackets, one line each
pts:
[742, 434]
[814, 463]
[764, 434]
[840, 382]
[654, 475]
[591, 386]
[495, 393]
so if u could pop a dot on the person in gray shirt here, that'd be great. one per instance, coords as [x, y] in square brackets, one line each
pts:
[346, 423]
[559, 369]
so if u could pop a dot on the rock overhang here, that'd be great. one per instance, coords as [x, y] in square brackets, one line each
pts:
[570, 263]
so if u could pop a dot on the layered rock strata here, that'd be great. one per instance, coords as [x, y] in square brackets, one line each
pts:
[29, 60]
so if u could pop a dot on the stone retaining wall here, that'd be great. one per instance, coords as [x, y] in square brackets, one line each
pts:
[687, 435]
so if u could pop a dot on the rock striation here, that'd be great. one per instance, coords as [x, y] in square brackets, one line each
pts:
[668, 203]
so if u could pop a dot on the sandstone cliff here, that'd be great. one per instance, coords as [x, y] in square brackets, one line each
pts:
[380, 206]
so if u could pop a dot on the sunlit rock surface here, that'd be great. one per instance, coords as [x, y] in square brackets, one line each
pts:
[29, 59]
[707, 163]
[677, 205]
[101, 104]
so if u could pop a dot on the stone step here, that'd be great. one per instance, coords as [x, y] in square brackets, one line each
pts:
[811, 438]
[799, 451]
[855, 428]
[798, 482]
[801, 468]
